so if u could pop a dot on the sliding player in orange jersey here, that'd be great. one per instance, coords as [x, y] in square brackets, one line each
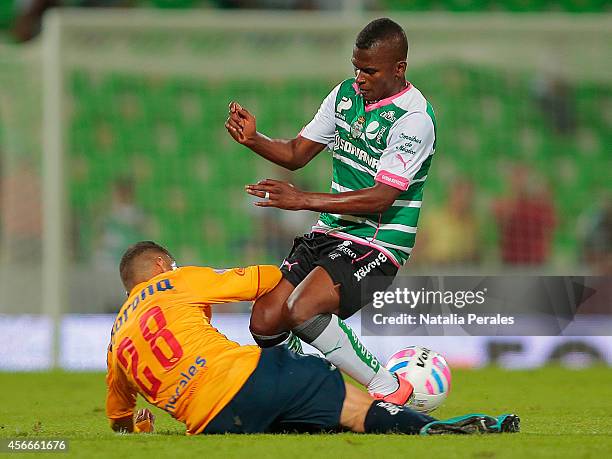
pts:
[164, 348]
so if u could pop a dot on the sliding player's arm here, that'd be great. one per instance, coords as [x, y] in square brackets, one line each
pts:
[121, 401]
[143, 422]
[231, 285]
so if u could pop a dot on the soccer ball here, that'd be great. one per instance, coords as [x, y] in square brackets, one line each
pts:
[427, 371]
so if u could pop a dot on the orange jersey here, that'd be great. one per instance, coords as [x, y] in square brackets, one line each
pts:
[164, 347]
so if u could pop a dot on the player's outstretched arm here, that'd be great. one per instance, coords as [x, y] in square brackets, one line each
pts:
[283, 195]
[291, 154]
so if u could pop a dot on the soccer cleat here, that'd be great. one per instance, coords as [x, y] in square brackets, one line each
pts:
[473, 424]
[509, 423]
[402, 395]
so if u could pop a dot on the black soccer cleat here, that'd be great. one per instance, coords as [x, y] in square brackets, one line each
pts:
[509, 423]
[474, 424]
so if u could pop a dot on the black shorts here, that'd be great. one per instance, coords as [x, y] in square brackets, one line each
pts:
[287, 392]
[348, 263]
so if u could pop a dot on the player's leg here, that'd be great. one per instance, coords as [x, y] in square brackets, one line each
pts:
[267, 325]
[290, 392]
[286, 392]
[311, 312]
[360, 413]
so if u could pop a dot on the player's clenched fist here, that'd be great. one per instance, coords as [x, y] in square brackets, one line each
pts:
[144, 421]
[240, 124]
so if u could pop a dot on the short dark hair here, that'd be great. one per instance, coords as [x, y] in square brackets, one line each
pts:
[126, 266]
[382, 30]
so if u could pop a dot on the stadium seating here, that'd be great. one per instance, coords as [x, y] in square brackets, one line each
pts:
[573, 6]
[521, 6]
[168, 134]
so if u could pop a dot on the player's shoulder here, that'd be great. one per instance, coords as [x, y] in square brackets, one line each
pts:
[415, 110]
[206, 271]
[412, 101]
[193, 269]
[190, 272]
[342, 96]
[346, 88]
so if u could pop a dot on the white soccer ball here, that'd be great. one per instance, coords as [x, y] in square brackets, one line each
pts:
[427, 371]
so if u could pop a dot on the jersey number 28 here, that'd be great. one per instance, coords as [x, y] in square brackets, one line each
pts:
[127, 347]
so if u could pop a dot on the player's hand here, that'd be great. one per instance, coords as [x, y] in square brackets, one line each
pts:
[282, 195]
[240, 124]
[145, 421]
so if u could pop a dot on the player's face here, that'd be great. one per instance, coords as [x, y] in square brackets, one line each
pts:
[378, 72]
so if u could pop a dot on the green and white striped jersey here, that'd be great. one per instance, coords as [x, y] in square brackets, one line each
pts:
[391, 141]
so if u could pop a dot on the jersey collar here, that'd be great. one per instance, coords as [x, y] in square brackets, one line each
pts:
[385, 101]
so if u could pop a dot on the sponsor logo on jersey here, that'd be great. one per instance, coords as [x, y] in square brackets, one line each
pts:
[344, 104]
[389, 179]
[404, 163]
[187, 375]
[372, 130]
[406, 148]
[348, 147]
[365, 270]
[389, 116]
[410, 137]
[380, 134]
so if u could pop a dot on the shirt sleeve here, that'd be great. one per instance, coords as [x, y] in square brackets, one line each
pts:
[322, 128]
[120, 397]
[216, 286]
[410, 143]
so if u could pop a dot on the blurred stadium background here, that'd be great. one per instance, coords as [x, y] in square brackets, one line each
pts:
[111, 131]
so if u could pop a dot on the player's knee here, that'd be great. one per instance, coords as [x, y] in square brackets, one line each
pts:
[267, 315]
[257, 326]
[296, 311]
[262, 323]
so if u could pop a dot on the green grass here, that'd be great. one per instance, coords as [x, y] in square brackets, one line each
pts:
[564, 413]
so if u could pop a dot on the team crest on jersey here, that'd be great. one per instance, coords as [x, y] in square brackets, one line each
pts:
[357, 127]
[389, 116]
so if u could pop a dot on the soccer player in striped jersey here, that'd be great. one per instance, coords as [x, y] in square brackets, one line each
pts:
[382, 134]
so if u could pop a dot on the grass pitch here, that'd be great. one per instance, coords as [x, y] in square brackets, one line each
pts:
[564, 413]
